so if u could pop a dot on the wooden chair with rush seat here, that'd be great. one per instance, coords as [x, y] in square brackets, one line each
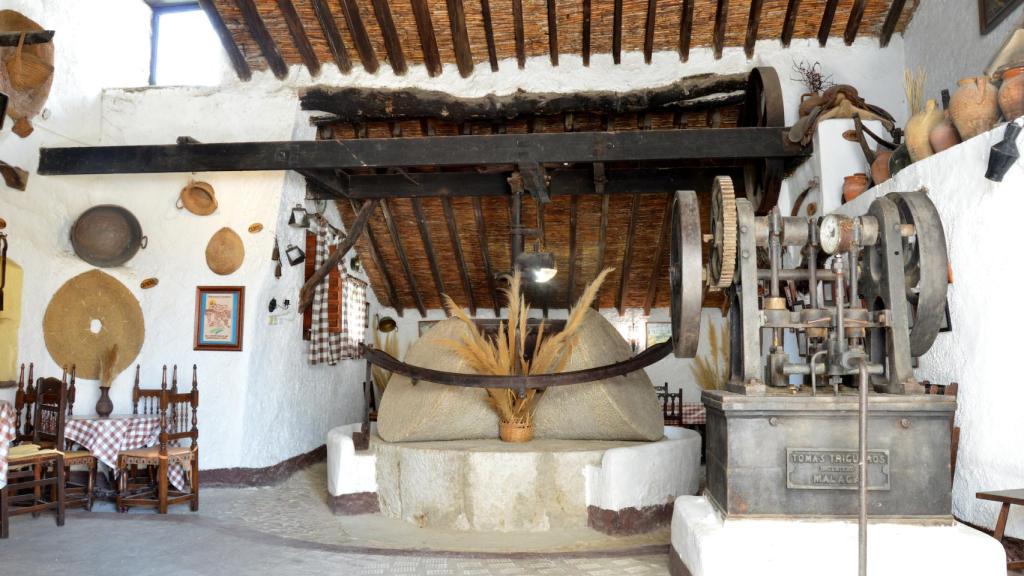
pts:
[51, 410]
[178, 421]
[31, 473]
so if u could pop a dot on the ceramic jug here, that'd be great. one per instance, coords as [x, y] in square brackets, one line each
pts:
[1011, 93]
[974, 107]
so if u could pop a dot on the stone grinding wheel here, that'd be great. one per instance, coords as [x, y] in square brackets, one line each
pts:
[686, 274]
[86, 302]
[722, 263]
[925, 266]
[225, 252]
[763, 108]
[24, 103]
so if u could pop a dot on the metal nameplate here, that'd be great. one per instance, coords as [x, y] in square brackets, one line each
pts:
[829, 469]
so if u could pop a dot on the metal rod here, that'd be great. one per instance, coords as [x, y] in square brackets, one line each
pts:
[814, 382]
[862, 485]
[787, 274]
[837, 266]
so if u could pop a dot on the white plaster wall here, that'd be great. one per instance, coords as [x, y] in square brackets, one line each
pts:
[944, 39]
[982, 224]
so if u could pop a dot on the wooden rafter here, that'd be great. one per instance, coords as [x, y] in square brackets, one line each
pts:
[460, 37]
[428, 42]
[652, 14]
[263, 39]
[238, 62]
[428, 246]
[396, 239]
[360, 37]
[585, 32]
[553, 32]
[826, 21]
[891, 20]
[492, 52]
[570, 289]
[299, 37]
[721, 22]
[789, 24]
[334, 40]
[378, 261]
[753, 22]
[460, 258]
[602, 232]
[517, 19]
[853, 23]
[392, 43]
[485, 254]
[685, 29]
[617, 31]
[627, 256]
[332, 261]
[659, 256]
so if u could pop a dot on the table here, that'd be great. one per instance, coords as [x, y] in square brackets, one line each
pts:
[7, 433]
[1007, 498]
[106, 437]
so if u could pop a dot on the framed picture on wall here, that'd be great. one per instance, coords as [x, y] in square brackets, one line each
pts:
[992, 12]
[658, 332]
[220, 314]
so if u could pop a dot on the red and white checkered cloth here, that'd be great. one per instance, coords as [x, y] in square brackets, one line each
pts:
[7, 433]
[692, 414]
[107, 437]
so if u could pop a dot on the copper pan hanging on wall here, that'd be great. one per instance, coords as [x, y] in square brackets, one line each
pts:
[107, 236]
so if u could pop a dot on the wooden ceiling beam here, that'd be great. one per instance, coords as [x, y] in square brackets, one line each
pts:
[753, 23]
[627, 256]
[517, 20]
[428, 42]
[428, 247]
[853, 24]
[685, 29]
[652, 13]
[460, 37]
[570, 289]
[789, 24]
[360, 37]
[396, 240]
[378, 262]
[892, 19]
[602, 231]
[585, 32]
[617, 31]
[721, 23]
[485, 255]
[328, 180]
[492, 52]
[258, 30]
[299, 37]
[659, 256]
[553, 32]
[238, 62]
[334, 40]
[827, 16]
[392, 43]
[460, 258]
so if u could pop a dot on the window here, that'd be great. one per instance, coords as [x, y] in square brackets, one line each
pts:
[186, 50]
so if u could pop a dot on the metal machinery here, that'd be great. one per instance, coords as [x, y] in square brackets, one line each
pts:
[808, 341]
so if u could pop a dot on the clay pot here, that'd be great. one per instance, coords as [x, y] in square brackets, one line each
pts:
[880, 167]
[974, 107]
[943, 136]
[919, 128]
[854, 185]
[1011, 94]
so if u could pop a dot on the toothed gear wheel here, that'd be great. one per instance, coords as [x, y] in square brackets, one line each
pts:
[722, 264]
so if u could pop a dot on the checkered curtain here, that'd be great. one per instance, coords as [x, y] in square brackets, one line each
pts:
[325, 347]
[354, 319]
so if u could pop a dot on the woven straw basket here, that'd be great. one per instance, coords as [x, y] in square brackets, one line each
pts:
[515, 432]
[25, 69]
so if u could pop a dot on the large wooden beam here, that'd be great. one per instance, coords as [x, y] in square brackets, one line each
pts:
[227, 41]
[485, 15]
[460, 258]
[428, 42]
[363, 104]
[721, 23]
[685, 29]
[259, 32]
[378, 261]
[308, 289]
[659, 255]
[334, 40]
[14, 38]
[392, 43]
[460, 37]
[428, 247]
[853, 23]
[396, 240]
[299, 37]
[485, 254]
[892, 19]
[827, 16]
[753, 23]
[360, 37]
[627, 257]
[789, 24]
[654, 145]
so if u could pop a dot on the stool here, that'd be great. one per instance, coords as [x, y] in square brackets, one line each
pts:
[1007, 498]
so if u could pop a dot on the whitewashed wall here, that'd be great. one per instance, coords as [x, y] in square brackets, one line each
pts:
[982, 224]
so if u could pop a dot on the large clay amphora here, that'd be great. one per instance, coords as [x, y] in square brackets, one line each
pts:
[974, 108]
[1011, 94]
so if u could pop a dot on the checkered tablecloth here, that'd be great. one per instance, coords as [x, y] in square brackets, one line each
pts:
[107, 437]
[7, 429]
[692, 414]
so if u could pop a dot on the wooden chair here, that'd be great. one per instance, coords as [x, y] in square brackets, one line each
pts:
[178, 421]
[24, 403]
[148, 398]
[954, 441]
[671, 408]
[30, 471]
[48, 433]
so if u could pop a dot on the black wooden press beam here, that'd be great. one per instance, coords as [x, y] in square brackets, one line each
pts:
[475, 150]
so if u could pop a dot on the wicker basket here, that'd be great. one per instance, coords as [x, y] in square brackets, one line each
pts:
[25, 69]
[515, 432]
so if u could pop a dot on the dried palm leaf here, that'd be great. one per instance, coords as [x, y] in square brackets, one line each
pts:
[107, 362]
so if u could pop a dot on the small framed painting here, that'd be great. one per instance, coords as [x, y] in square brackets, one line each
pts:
[992, 12]
[220, 312]
[658, 332]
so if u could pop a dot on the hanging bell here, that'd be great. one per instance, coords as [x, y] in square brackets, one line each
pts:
[299, 217]
[295, 254]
